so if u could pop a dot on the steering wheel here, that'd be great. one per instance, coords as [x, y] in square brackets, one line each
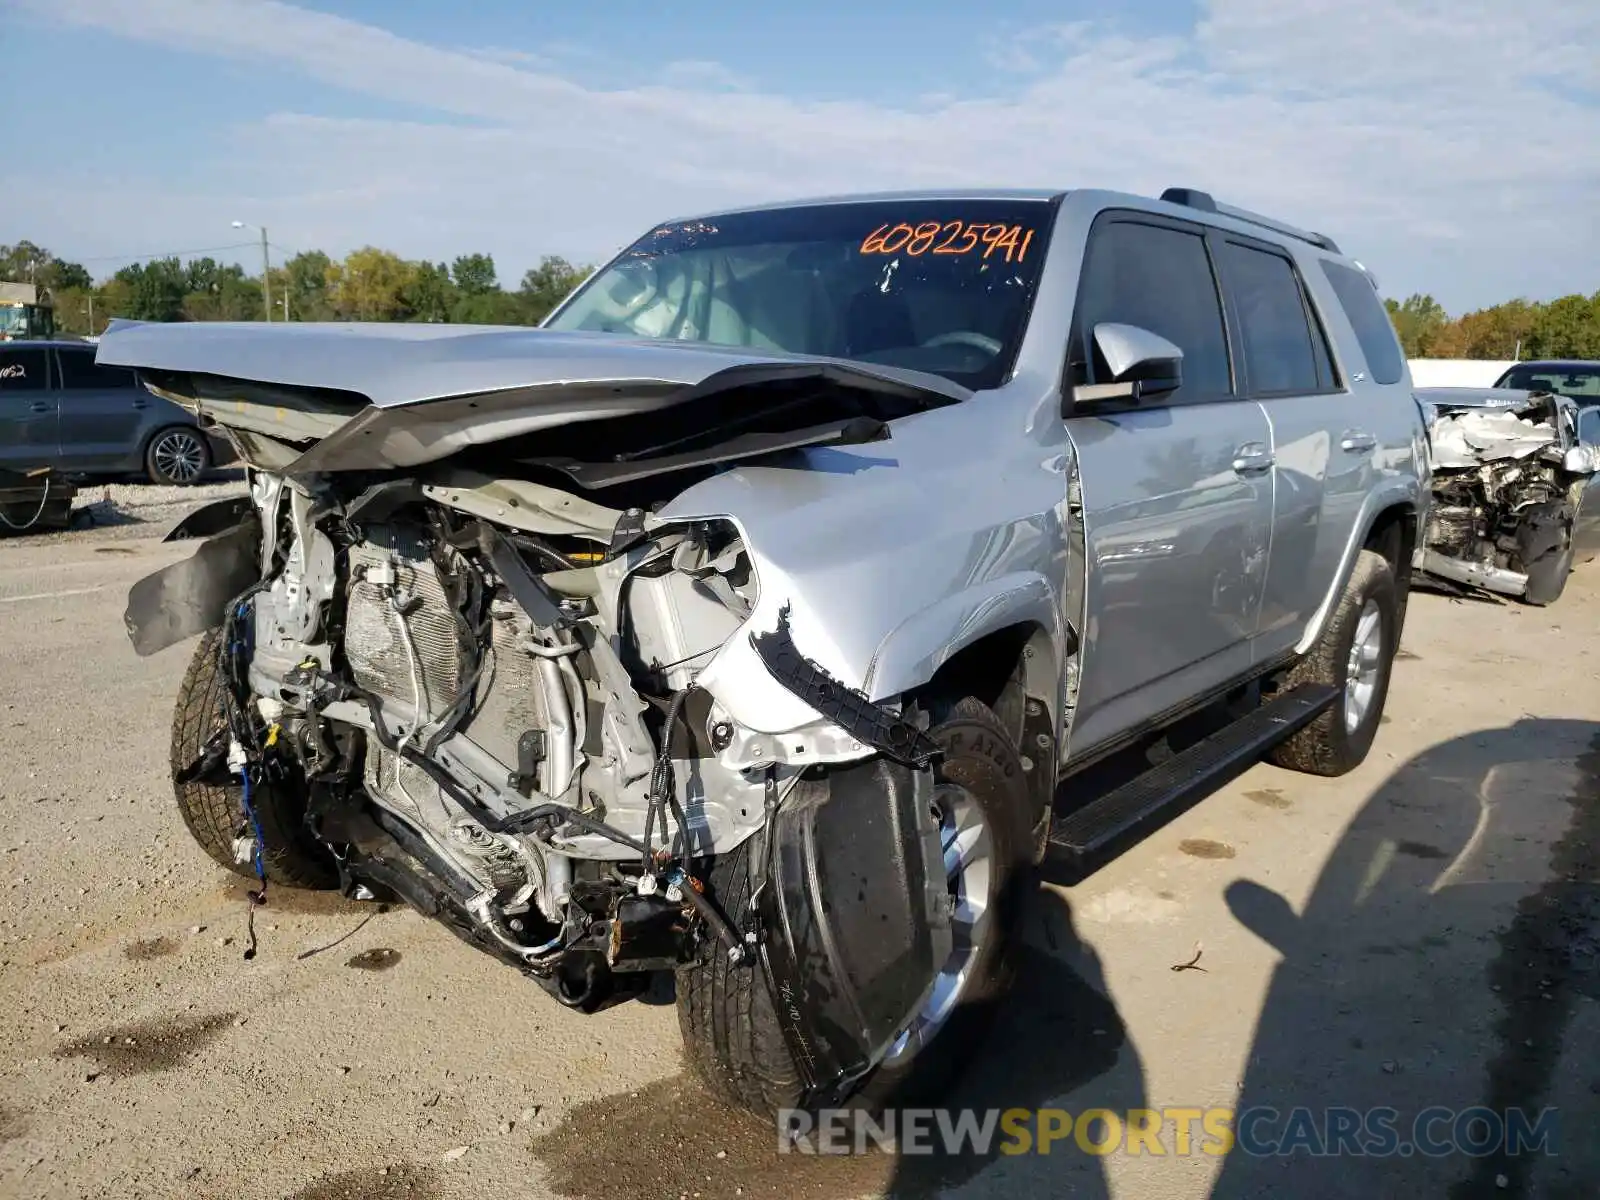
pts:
[648, 290]
[964, 337]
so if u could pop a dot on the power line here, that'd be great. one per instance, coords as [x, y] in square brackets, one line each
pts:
[168, 253]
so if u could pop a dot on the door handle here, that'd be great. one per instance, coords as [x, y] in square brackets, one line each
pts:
[141, 404]
[1356, 442]
[1252, 457]
[39, 407]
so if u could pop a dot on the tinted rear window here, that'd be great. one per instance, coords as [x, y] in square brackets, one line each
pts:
[79, 370]
[1279, 350]
[1359, 299]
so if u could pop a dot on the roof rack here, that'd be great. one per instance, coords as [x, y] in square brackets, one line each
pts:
[1203, 202]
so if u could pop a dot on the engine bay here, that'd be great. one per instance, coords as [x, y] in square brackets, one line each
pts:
[498, 720]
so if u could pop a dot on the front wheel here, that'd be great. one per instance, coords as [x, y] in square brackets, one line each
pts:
[1355, 655]
[215, 816]
[730, 1028]
[177, 456]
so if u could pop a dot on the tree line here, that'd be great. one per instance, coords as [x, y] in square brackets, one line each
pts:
[1568, 327]
[366, 285]
[375, 285]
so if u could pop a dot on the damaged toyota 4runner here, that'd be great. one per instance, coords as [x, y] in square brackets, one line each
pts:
[1516, 490]
[741, 622]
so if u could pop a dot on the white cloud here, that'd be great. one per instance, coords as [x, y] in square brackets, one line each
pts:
[1448, 144]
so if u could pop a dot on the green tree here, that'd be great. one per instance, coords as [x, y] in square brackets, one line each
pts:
[370, 285]
[430, 295]
[1566, 328]
[547, 285]
[305, 279]
[155, 290]
[1417, 320]
[28, 263]
[474, 274]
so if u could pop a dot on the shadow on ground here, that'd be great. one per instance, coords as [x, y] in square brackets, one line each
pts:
[1056, 1033]
[1449, 956]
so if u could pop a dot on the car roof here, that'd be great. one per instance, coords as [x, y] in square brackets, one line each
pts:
[1557, 364]
[1184, 203]
[1041, 195]
[44, 343]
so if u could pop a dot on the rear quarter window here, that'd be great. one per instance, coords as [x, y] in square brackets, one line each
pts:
[1359, 300]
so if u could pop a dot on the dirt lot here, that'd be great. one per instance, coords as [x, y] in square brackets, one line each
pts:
[1423, 932]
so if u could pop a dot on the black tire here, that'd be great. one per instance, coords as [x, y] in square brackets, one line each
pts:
[730, 1030]
[177, 456]
[215, 816]
[1547, 578]
[1326, 746]
[1544, 544]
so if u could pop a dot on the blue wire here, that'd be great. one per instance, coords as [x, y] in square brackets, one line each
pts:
[241, 646]
[255, 825]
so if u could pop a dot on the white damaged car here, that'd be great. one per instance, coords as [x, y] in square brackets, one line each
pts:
[1516, 494]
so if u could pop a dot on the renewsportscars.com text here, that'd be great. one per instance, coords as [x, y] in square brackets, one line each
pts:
[1259, 1131]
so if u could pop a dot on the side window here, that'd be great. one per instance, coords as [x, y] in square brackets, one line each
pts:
[1160, 279]
[1279, 348]
[22, 369]
[1359, 299]
[79, 370]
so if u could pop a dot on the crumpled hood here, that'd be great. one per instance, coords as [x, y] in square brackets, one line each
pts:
[376, 395]
[1468, 427]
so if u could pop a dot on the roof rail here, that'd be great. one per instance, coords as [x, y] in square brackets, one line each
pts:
[1203, 202]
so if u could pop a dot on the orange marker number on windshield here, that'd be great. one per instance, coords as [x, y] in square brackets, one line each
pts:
[950, 237]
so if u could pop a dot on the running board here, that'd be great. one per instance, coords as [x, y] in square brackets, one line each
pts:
[1200, 768]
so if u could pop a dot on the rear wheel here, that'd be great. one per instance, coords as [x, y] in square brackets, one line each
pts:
[215, 815]
[177, 456]
[1355, 655]
[730, 1028]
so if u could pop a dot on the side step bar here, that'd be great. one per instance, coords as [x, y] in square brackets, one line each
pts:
[1200, 768]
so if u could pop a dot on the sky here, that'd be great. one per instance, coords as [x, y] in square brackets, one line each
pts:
[1451, 145]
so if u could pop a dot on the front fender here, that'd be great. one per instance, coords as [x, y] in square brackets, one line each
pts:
[912, 653]
[1410, 491]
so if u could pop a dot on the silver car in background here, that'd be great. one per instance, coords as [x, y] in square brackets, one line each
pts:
[61, 409]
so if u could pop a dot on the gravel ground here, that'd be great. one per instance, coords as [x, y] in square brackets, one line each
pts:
[1423, 931]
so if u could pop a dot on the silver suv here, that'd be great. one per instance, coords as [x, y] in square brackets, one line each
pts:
[752, 618]
[61, 409]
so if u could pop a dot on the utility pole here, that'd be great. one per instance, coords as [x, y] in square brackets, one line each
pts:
[91, 314]
[266, 267]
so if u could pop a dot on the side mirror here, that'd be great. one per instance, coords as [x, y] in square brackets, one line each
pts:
[1142, 364]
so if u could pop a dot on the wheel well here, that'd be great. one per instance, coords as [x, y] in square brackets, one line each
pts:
[1394, 535]
[991, 669]
[1014, 671]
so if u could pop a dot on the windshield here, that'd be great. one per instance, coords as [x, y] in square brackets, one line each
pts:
[1568, 381]
[942, 286]
[13, 319]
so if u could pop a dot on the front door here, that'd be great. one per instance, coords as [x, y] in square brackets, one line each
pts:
[1177, 493]
[28, 437]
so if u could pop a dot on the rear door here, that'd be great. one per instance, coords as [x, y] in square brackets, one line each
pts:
[1177, 492]
[1321, 463]
[28, 410]
[102, 412]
